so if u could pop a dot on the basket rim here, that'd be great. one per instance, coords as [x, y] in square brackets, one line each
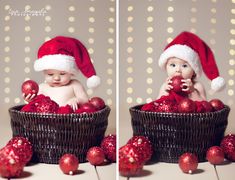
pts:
[137, 109]
[14, 109]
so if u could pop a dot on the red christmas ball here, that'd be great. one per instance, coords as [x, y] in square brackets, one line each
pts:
[207, 106]
[143, 145]
[177, 83]
[215, 155]
[188, 162]
[97, 102]
[228, 145]
[29, 87]
[131, 161]
[86, 108]
[186, 106]
[69, 164]
[23, 147]
[108, 144]
[167, 106]
[217, 104]
[95, 156]
[11, 164]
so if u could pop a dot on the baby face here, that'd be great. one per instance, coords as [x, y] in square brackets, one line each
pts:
[179, 67]
[57, 78]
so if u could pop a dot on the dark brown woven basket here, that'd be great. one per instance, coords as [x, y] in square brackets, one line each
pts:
[53, 135]
[173, 134]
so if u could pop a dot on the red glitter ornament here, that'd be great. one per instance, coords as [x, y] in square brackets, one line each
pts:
[11, 164]
[215, 155]
[95, 156]
[186, 106]
[23, 148]
[228, 145]
[108, 144]
[167, 106]
[29, 87]
[217, 104]
[86, 108]
[177, 84]
[65, 110]
[143, 145]
[69, 164]
[188, 162]
[131, 161]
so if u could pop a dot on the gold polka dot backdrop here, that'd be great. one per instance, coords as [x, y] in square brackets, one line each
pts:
[146, 27]
[26, 25]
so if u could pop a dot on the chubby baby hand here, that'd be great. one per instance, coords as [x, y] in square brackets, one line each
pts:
[73, 103]
[187, 85]
[28, 97]
[168, 85]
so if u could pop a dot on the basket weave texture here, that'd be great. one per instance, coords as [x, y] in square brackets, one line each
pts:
[173, 134]
[53, 135]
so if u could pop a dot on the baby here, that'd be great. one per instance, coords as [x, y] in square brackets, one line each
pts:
[187, 55]
[58, 58]
[179, 67]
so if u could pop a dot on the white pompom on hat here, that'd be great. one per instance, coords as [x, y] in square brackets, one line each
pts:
[190, 48]
[67, 54]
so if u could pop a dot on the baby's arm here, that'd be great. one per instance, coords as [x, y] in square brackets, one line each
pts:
[198, 93]
[165, 88]
[81, 96]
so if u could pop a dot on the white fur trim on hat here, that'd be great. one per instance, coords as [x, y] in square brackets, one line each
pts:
[183, 52]
[217, 84]
[93, 81]
[59, 62]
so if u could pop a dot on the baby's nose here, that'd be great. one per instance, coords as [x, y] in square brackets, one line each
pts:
[56, 77]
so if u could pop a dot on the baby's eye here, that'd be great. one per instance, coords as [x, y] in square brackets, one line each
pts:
[172, 65]
[50, 74]
[184, 65]
[62, 74]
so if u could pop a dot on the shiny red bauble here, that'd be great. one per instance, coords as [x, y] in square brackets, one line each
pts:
[228, 145]
[207, 106]
[108, 144]
[95, 156]
[217, 104]
[11, 164]
[188, 162]
[167, 106]
[143, 145]
[23, 147]
[69, 164]
[29, 87]
[131, 161]
[97, 102]
[177, 84]
[186, 106]
[86, 108]
[215, 155]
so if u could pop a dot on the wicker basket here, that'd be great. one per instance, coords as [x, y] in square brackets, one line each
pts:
[173, 134]
[53, 135]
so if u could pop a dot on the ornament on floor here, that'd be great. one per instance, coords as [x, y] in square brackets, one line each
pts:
[69, 164]
[215, 155]
[108, 144]
[95, 156]
[143, 145]
[228, 145]
[131, 160]
[188, 162]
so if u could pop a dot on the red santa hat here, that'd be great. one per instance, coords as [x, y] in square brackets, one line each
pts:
[66, 54]
[190, 48]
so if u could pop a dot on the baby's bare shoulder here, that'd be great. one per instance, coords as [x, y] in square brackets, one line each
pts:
[198, 85]
[75, 82]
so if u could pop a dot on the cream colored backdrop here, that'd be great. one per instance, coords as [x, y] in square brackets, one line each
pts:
[91, 21]
[145, 29]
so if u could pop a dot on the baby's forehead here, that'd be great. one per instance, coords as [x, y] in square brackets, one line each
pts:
[176, 60]
[54, 71]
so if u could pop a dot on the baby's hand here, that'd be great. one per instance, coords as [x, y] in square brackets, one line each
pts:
[187, 85]
[28, 97]
[73, 103]
[168, 85]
